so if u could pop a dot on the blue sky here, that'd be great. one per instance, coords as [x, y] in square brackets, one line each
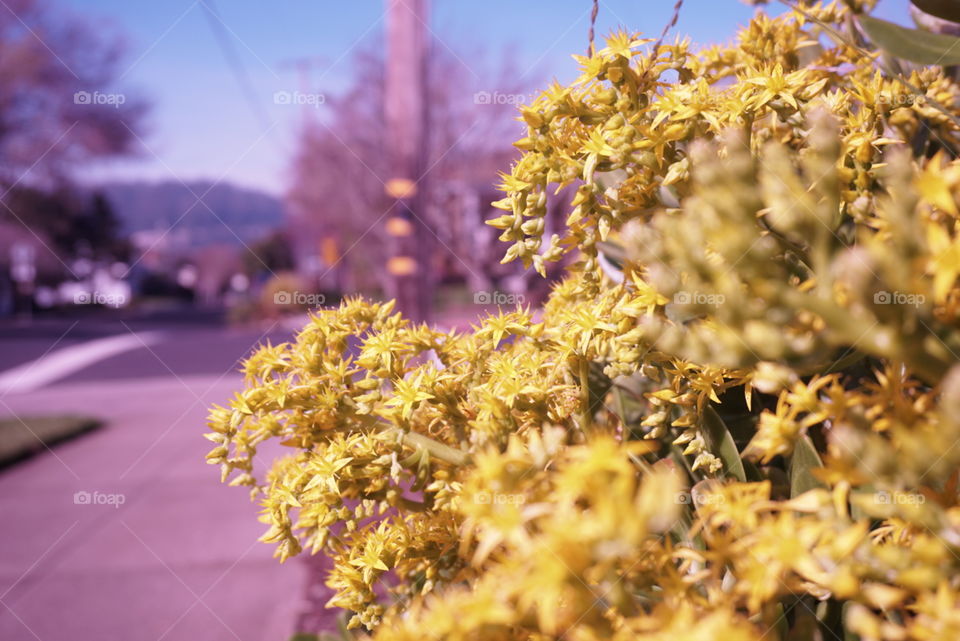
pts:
[201, 127]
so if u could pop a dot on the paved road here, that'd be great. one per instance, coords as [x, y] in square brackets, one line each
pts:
[161, 551]
[190, 342]
[195, 343]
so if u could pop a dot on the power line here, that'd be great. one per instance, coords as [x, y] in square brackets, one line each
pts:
[247, 89]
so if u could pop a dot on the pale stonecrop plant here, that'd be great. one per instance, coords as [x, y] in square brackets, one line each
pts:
[736, 418]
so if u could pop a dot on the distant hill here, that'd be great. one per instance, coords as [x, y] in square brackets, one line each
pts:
[246, 214]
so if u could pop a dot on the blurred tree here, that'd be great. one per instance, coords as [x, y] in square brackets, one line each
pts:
[59, 106]
[75, 224]
[96, 227]
[341, 166]
[269, 255]
[59, 109]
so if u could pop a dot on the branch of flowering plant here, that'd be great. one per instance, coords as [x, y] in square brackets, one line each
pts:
[845, 40]
[927, 366]
[417, 442]
[436, 449]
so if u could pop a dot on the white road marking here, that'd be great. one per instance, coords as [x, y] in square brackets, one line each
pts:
[66, 361]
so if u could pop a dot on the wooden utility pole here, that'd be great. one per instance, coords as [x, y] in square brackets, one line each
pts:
[302, 66]
[406, 116]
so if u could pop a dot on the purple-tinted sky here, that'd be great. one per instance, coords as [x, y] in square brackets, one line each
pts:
[202, 126]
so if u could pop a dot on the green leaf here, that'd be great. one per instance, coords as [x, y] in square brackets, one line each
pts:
[613, 252]
[803, 461]
[830, 618]
[804, 624]
[721, 443]
[945, 9]
[681, 529]
[864, 494]
[612, 257]
[669, 197]
[848, 635]
[912, 44]
[608, 179]
[741, 424]
[598, 386]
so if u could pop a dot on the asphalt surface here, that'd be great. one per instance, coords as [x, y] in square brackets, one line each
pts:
[190, 343]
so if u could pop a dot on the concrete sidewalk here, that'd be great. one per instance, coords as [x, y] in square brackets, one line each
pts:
[153, 547]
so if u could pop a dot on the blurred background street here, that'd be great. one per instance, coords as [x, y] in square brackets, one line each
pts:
[176, 557]
[170, 344]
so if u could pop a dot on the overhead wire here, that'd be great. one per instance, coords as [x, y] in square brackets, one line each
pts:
[249, 92]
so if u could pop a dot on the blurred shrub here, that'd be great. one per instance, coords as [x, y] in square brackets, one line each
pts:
[287, 293]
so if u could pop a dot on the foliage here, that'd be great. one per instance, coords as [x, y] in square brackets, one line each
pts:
[74, 223]
[57, 69]
[746, 431]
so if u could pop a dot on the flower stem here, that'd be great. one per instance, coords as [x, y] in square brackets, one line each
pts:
[437, 450]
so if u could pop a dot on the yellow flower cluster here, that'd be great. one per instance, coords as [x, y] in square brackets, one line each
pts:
[737, 418]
